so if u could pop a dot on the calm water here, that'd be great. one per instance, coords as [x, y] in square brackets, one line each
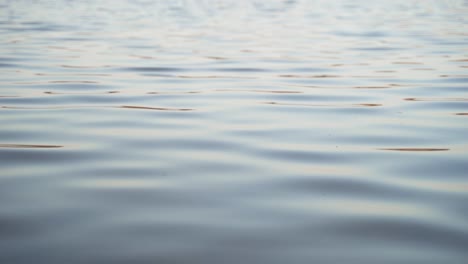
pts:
[234, 131]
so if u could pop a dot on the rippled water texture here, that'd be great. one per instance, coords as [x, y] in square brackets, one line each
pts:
[234, 131]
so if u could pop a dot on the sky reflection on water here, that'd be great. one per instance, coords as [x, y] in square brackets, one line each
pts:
[233, 131]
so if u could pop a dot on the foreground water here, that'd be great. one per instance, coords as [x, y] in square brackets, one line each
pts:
[234, 132]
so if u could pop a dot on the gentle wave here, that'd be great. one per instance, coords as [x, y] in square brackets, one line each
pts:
[233, 132]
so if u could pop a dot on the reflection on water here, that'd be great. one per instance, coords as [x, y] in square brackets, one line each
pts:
[233, 131]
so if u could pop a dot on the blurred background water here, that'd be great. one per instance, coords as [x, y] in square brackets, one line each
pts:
[233, 131]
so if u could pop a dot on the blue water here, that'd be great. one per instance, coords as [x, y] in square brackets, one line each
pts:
[234, 131]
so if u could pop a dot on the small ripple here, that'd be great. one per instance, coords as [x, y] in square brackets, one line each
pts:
[28, 146]
[308, 76]
[386, 71]
[8, 65]
[61, 93]
[155, 108]
[437, 99]
[415, 149]
[377, 49]
[154, 69]
[144, 57]
[73, 82]
[423, 69]
[84, 67]
[240, 69]
[370, 105]
[42, 28]
[326, 105]
[211, 77]
[454, 76]
[96, 106]
[371, 87]
[216, 58]
[74, 86]
[261, 91]
[165, 93]
[44, 107]
[77, 74]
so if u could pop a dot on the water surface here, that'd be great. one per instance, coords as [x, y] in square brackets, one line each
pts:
[234, 131]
